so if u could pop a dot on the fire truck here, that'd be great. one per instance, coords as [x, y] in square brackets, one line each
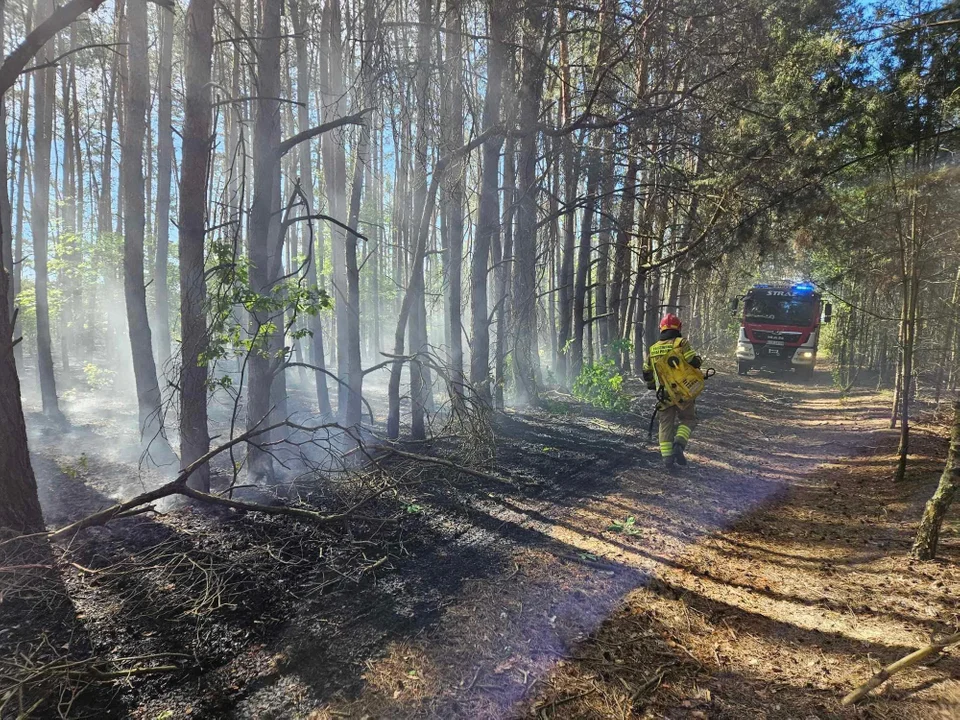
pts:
[780, 327]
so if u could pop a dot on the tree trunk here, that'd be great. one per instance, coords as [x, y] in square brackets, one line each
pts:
[6, 212]
[911, 291]
[453, 129]
[67, 247]
[570, 172]
[105, 204]
[164, 173]
[261, 239]
[503, 262]
[194, 434]
[488, 212]
[314, 325]
[20, 509]
[353, 411]
[137, 90]
[421, 234]
[44, 86]
[335, 182]
[584, 256]
[17, 240]
[526, 359]
[604, 321]
[619, 305]
[928, 534]
[420, 388]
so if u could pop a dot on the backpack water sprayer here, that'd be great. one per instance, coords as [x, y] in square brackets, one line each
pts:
[678, 382]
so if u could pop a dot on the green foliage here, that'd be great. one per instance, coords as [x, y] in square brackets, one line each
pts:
[230, 289]
[74, 470]
[97, 377]
[601, 385]
[556, 407]
[622, 345]
[627, 527]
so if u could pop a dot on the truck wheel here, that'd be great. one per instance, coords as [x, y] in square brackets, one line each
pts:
[742, 368]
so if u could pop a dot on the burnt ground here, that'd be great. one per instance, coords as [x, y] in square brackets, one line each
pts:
[764, 581]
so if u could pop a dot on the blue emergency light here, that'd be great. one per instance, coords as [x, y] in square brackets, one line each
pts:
[803, 288]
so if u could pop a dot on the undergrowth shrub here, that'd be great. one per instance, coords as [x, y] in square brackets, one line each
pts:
[98, 378]
[601, 384]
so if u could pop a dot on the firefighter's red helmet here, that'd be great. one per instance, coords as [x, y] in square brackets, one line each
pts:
[670, 322]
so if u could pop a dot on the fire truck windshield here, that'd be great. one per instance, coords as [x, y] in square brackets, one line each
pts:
[773, 310]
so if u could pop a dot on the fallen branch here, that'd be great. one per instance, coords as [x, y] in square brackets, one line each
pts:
[65, 677]
[179, 487]
[311, 515]
[914, 658]
[174, 487]
[317, 368]
[453, 466]
[131, 672]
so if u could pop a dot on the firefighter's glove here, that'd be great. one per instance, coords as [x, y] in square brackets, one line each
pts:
[697, 361]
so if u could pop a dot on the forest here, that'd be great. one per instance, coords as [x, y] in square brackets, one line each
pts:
[329, 376]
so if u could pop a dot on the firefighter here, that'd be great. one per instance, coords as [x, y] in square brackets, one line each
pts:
[676, 423]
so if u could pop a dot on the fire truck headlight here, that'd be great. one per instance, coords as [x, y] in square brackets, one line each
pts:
[745, 350]
[806, 354]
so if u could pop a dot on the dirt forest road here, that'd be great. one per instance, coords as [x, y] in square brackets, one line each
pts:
[763, 581]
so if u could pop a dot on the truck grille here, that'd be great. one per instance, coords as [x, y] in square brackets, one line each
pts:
[767, 335]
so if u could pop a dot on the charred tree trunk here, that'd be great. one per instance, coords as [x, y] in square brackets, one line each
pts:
[16, 279]
[420, 385]
[604, 233]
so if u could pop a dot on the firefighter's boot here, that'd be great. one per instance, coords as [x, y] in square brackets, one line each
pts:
[680, 443]
[678, 457]
[666, 451]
